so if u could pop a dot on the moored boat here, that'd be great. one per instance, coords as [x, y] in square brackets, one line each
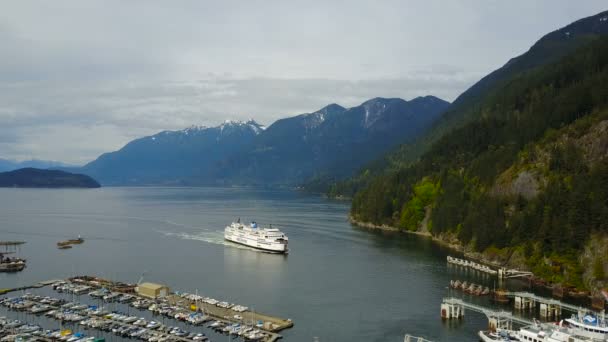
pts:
[8, 264]
[70, 242]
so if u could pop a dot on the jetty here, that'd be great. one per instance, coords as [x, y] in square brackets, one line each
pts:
[548, 307]
[501, 272]
[454, 308]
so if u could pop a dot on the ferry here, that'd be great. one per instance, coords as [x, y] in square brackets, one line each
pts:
[265, 239]
[580, 328]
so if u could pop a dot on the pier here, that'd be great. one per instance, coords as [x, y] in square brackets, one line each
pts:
[502, 272]
[471, 264]
[454, 308]
[549, 308]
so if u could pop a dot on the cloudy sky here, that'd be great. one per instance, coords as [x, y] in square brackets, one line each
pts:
[79, 78]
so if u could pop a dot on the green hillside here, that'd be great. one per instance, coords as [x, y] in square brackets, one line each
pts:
[549, 49]
[527, 171]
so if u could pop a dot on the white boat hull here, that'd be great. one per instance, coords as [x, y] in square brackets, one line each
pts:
[260, 244]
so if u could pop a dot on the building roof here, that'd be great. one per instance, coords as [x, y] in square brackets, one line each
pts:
[152, 286]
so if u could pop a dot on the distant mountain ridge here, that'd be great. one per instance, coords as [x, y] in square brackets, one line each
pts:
[331, 141]
[38, 178]
[9, 165]
[172, 157]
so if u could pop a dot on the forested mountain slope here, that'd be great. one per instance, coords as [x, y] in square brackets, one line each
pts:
[528, 173]
[546, 50]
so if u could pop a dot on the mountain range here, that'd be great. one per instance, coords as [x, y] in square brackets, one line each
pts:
[333, 141]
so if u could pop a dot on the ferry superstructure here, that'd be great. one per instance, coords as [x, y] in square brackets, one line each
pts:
[266, 239]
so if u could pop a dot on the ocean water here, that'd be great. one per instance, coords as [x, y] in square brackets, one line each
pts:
[338, 283]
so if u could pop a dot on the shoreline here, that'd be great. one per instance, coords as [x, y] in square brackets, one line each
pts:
[456, 247]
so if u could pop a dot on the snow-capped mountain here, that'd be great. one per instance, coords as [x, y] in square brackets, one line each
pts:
[330, 141]
[333, 141]
[173, 156]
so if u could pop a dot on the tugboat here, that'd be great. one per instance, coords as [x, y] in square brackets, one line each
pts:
[8, 264]
[11, 264]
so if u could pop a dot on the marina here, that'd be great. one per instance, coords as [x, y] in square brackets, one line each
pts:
[304, 285]
[66, 244]
[192, 309]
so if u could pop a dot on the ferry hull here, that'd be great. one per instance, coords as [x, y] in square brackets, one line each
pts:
[279, 249]
[274, 251]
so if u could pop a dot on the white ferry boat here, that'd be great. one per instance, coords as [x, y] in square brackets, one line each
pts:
[266, 239]
[580, 328]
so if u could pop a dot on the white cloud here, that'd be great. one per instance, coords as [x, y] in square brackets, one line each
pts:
[81, 78]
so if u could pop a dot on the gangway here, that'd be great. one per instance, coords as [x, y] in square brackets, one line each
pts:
[548, 307]
[454, 308]
[504, 273]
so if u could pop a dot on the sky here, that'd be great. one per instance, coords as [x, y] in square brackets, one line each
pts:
[80, 78]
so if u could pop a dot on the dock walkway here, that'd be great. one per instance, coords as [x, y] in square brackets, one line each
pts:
[227, 315]
[224, 315]
[491, 314]
[549, 301]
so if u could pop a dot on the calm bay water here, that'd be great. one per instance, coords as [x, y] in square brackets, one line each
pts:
[339, 283]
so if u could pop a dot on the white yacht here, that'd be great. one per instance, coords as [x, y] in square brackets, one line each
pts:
[267, 239]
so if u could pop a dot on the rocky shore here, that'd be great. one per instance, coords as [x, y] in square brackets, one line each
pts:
[514, 259]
